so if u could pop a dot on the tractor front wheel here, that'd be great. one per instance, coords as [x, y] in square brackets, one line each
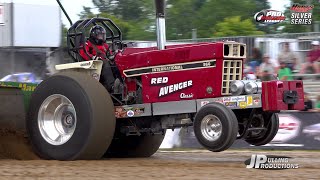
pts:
[215, 127]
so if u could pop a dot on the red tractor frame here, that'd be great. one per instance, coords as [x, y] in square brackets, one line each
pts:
[72, 116]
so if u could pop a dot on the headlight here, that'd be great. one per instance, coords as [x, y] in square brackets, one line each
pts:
[252, 87]
[240, 87]
[237, 87]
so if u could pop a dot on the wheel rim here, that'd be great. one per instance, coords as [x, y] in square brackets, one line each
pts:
[57, 119]
[211, 127]
[257, 122]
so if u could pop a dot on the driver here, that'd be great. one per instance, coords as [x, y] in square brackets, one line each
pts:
[97, 48]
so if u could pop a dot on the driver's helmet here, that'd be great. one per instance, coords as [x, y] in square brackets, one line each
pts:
[98, 34]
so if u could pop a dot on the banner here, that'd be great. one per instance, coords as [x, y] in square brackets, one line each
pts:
[297, 130]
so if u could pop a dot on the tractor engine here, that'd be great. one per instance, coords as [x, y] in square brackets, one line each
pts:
[185, 72]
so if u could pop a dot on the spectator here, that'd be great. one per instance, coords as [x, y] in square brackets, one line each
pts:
[307, 102]
[255, 60]
[313, 59]
[288, 57]
[267, 69]
[284, 73]
[318, 103]
[248, 73]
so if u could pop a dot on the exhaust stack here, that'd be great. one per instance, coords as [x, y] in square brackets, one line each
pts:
[161, 24]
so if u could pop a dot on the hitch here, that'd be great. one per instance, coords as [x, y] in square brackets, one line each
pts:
[290, 97]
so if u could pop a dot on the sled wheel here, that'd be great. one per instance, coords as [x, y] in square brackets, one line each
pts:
[144, 145]
[71, 117]
[215, 127]
[272, 130]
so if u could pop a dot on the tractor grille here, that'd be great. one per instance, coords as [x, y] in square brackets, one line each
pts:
[232, 70]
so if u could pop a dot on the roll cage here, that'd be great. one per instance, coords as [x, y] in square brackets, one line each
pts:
[77, 35]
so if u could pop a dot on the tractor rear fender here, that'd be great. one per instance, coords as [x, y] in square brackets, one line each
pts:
[92, 68]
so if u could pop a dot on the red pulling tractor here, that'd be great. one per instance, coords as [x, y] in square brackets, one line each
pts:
[72, 116]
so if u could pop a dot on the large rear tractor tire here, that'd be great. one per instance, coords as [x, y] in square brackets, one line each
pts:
[272, 124]
[135, 146]
[215, 127]
[71, 117]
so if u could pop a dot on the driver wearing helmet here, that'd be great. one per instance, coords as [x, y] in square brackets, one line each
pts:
[97, 48]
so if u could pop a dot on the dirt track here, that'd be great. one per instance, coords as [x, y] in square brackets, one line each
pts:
[163, 165]
[18, 162]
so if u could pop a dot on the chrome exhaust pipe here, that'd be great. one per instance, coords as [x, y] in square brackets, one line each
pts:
[161, 24]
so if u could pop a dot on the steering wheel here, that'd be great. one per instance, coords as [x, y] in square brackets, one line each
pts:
[113, 49]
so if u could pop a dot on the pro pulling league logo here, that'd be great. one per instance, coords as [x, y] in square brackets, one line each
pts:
[301, 14]
[269, 17]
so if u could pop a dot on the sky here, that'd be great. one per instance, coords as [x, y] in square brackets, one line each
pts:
[74, 7]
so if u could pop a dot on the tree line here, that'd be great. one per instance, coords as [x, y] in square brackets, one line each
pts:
[209, 18]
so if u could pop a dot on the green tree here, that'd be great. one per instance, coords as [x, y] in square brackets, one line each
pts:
[105, 5]
[128, 10]
[64, 31]
[86, 13]
[262, 4]
[180, 21]
[213, 12]
[234, 26]
[138, 17]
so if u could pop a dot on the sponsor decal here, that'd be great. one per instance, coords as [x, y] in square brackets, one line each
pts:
[230, 104]
[301, 14]
[159, 80]
[243, 104]
[289, 127]
[26, 87]
[249, 100]
[269, 17]
[85, 64]
[96, 76]
[122, 112]
[186, 96]
[174, 88]
[226, 99]
[130, 113]
[22, 86]
[219, 100]
[167, 68]
[269, 162]
[203, 103]
[256, 100]
[138, 111]
[171, 67]
[238, 98]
